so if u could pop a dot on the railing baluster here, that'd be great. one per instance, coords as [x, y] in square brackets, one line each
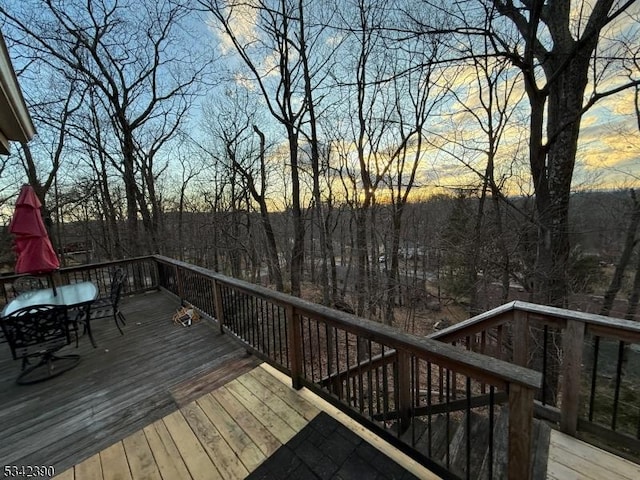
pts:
[250, 319]
[491, 425]
[369, 380]
[385, 391]
[327, 347]
[338, 382]
[415, 395]
[274, 324]
[284, 345]
[359, 381]
[320, 356]
[264, 343]
[483, 346]
[311, 353]
[304, 352]
[294, 346]
[348, 382]
[468, 429]
[429, 416]
[594, 374]
[545, 386]
[246, 327]
[448, 416]
[616, 395]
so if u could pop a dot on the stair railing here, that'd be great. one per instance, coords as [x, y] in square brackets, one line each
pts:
[590, 365]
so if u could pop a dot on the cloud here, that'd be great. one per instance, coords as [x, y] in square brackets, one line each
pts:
[609, 147]
[242, 18]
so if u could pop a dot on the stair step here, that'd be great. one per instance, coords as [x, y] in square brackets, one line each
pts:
[500, 449]
[431, 436]
[478, 426]
[431, 440]
[539, 449]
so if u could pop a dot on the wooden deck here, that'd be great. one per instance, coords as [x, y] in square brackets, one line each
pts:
[570, 458]
[171, 402]
[224, 434]
[125, 384]
[228, 432]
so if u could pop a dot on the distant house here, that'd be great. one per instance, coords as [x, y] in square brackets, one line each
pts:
[15, 122]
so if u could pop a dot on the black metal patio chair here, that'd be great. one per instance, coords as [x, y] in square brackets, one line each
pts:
[34, 335]
[26, 283]
[106, 307]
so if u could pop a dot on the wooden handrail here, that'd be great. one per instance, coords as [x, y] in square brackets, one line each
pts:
[609, 326]
[491, 370]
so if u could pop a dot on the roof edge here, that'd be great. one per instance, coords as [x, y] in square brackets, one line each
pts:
[17, 125]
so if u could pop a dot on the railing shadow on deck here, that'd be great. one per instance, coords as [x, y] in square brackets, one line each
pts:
[462, 413]
[590, 366]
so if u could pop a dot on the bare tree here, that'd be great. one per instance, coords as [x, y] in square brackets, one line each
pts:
[570, 61]
[485, 105]
[414, 102]
[277, 26]
[131, 59]
[568, 64]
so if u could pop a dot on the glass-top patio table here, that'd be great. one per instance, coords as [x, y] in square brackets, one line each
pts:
[75, 295]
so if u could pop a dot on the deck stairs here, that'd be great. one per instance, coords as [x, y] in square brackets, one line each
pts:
[443, 439]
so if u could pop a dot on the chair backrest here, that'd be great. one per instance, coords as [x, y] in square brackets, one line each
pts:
[26, 284]
[116, 287]
[33, 330]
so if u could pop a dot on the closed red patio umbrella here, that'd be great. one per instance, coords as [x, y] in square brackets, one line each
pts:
[34, 251]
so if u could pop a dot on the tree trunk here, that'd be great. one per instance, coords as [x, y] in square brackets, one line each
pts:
[361, 259]
[273, 261]
[130, 189]
[394, 271]
[297, 252]
[625, 257]
[634, 296]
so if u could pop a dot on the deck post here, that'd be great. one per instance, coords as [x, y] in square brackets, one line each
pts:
[217, 301]
[295, 346]
[572, 344]
[404, 389]
[520, 432]
[520, 338]
[179, 283]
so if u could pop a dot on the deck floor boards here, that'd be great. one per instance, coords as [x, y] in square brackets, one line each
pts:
[169, 402]
[125, 384]
[570, 458]
[227, 433]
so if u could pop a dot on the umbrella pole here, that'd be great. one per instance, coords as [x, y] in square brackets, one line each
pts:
[53, 284]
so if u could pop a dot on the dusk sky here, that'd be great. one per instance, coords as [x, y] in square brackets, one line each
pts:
[609, 145]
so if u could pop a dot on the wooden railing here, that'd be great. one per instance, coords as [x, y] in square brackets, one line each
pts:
[140, 276]
[397, 384]
[420, 394]
[590, 365]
